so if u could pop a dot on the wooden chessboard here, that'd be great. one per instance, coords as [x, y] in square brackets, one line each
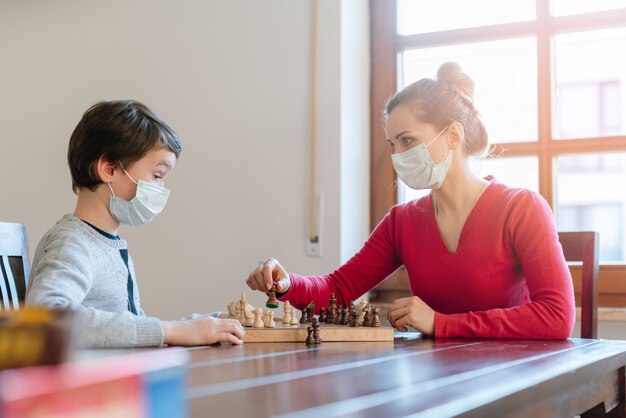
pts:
[328, 333]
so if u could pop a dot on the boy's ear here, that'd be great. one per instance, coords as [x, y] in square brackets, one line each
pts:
[456, 135]
[105, 169]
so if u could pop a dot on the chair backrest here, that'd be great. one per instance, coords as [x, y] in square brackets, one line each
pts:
[14, 265]
[584, 247]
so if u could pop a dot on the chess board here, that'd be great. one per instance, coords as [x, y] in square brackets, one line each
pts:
[328, 333]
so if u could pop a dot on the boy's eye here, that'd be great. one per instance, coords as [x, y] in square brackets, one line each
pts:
[157, 176]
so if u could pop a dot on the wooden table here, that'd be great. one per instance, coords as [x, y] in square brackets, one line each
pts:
[412, 376]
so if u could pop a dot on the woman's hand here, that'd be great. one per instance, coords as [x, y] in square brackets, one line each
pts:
[266, 274]
[412, 311]
[202, 331]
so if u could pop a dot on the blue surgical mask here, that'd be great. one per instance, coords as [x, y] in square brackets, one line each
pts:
[148, 202]
[417, 170]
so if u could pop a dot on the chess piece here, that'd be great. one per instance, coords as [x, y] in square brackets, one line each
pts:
[309, 337]
[303, 318]
[287, 313]
[258, 322]
[271, 300]
[375, 318]
[344, 317]
[353, 319]
[367, 319]
[316, 331]
[361, 312]
[310, 314]
[270, 320]
[294, 319]
[234, 310]
[322, 317]
[330, 315]
[333, 301]
[351, 307]
[338, 316]
[247, 312]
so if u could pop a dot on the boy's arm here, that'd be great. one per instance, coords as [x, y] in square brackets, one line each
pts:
[61, 278]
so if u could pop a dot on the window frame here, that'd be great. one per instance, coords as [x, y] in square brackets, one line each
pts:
[386, 46]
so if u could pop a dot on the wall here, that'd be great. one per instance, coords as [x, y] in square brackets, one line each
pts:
[233, 78]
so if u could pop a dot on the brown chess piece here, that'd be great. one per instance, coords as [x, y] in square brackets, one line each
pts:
[351, 307]
[322, 317]
[310, 314]
[333, 301]
[330, 316]
[271, 301]
[375, 318]
[344, 317]
[352, 321]
[316, 332]
[309, 337]
[367, 320]
[338, 316]
[303, 318]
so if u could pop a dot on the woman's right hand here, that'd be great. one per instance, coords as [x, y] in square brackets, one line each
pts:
[202, 331]
[266, 274]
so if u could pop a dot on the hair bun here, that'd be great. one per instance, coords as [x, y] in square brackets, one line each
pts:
[452, 74]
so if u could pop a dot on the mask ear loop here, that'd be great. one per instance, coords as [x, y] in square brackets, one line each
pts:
[128, 175]
[437, 136]
[111, 188]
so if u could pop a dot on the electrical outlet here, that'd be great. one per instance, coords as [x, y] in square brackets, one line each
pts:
[313, 248]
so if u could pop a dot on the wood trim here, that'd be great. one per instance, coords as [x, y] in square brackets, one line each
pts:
[383, 85]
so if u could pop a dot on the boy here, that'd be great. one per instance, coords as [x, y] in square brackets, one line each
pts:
[119, 155]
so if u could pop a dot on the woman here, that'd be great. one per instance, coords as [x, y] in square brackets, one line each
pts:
[483, 259]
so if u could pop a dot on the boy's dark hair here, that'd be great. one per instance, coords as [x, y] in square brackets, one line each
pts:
[123, 131]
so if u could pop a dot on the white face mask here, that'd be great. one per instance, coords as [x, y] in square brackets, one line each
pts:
[417, 170]
[148, 202]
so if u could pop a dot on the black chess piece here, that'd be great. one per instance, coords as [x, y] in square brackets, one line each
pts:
[330, 316]
[271, 301]
[316, 331]
[367, 319]
[303, 318]
[352, 320]
[338, 316]
[322, 317]
[310, 314]
[309, 337]
[333, 301]
[375, 318]
[344, 317]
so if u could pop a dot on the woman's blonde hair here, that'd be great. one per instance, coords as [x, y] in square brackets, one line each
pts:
[442, 101]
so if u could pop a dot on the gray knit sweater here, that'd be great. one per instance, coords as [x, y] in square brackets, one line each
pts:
[76, 267]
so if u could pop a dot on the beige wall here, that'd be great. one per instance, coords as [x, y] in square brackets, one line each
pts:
[233, 78]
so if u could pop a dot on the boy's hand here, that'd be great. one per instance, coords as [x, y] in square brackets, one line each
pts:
[202, 331]
[266, 274]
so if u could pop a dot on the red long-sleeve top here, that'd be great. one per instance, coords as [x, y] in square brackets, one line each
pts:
[507, 278]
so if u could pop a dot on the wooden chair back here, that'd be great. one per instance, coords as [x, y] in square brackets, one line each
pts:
[14, 265]
[584, 247]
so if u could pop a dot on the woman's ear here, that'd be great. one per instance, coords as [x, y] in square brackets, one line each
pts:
[105, 169]
[456, 135]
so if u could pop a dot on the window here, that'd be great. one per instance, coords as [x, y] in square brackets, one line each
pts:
[550, 85]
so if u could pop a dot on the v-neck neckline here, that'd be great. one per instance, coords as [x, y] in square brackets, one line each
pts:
[467, 228]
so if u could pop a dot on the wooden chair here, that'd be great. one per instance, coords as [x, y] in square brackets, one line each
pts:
[584, 247]
[14, 265]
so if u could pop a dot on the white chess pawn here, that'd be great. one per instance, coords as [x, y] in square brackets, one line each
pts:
[286, 311]
[258, 321]
[294, 319]
[361, 311]
[270, 320]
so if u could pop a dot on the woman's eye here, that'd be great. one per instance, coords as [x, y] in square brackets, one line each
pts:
[407, 141]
